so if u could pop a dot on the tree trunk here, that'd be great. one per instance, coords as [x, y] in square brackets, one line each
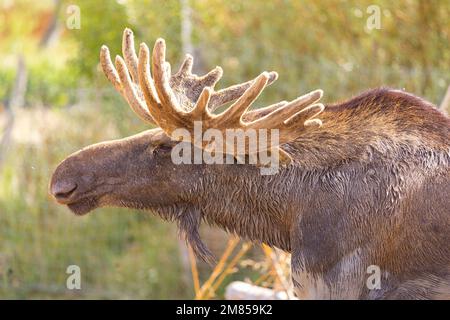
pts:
[51, 33]
[186, 32]
[16, 100]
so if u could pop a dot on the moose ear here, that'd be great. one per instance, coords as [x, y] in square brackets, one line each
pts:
[283, 157]
[275, 156]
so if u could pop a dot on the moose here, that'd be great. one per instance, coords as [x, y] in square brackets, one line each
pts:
[361, 184]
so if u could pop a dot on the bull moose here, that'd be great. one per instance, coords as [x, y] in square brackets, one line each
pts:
[361, 183]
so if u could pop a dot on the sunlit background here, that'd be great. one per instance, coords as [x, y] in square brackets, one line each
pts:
[54, 100]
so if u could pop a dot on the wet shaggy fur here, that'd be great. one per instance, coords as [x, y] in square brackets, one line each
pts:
[370, 187]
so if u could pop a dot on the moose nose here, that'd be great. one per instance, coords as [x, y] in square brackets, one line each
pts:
[63, 190]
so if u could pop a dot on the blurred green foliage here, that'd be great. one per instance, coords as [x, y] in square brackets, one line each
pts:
[50, 86]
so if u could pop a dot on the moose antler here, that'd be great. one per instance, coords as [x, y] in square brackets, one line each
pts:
[179, 100]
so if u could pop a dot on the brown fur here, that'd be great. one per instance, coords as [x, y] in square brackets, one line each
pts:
[370, 187]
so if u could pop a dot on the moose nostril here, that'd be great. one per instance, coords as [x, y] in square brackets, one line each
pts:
[63, 190]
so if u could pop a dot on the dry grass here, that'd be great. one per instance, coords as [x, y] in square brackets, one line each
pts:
[274, 269]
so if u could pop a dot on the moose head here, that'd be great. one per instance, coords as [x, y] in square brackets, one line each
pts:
[139, 171]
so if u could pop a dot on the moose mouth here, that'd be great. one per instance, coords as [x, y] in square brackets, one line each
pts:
[83, 206]
[80, 202]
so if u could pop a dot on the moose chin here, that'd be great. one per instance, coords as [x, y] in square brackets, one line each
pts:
[361, 183]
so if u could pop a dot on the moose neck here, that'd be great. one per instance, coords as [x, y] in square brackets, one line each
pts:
[238, 199]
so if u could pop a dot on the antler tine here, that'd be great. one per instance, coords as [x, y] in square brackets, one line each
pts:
[300, 122]
[226, 95]
[129, 53]
[211, 78]
[313, 123]
[129, 92]
[278, 116]
[108, 68]
[237, 109]
[305, 115]
[200, 111]
[208, 80]
[145, 79]
[161, 78]
[252, 115]
[122, 83]
[291, 128]
[186, 66]
[168, 69]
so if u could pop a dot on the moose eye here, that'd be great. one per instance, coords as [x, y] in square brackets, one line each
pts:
[161, 149]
